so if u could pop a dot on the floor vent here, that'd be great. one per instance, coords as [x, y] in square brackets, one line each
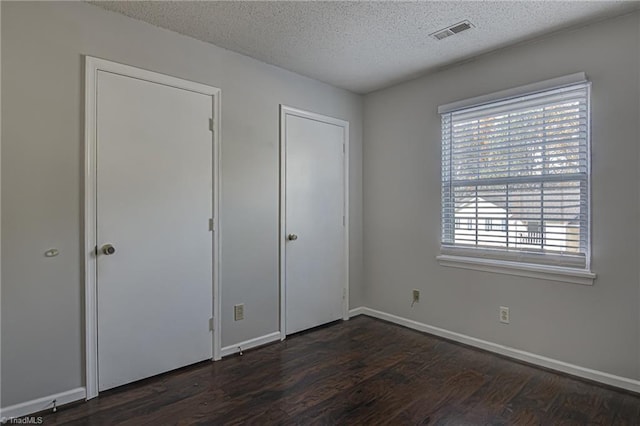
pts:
[452, 30]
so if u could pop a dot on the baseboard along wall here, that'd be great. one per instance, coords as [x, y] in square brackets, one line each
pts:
[251, 343]
[44, 403]
[41, 404]
[539, 360]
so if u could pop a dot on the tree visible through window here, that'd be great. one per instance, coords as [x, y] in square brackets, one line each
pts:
[517, 170]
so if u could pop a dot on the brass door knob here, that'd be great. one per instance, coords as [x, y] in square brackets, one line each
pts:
[292, 237]
[108, 249]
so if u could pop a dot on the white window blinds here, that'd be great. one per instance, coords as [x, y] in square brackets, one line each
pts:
[515, 178]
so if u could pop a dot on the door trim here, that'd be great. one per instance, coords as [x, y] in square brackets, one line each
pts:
[92, 66]
[284, 112]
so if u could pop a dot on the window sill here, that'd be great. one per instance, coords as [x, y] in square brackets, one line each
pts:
[545, 272]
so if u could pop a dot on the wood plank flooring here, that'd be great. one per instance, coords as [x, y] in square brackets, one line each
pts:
[360, 372]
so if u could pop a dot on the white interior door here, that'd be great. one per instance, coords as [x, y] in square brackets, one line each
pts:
[154, 201]
[314, 237]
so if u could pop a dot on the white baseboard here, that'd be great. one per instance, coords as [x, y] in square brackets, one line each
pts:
[40, 404]
[356, 311]
[77, 394]
[553, 364]
[251, 343]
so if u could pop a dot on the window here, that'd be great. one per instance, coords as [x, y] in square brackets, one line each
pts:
[495, 225]
[488, 224]
[516, 168]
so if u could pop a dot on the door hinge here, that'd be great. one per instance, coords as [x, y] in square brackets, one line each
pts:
[211, 124]
[344, 293]
[211, 224]
[344, 148]
[344, 221]
[211, 324]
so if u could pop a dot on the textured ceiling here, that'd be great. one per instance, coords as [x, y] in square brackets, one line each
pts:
[363, 46]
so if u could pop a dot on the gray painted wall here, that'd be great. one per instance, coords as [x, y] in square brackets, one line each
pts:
[42, 100]
[592, 326]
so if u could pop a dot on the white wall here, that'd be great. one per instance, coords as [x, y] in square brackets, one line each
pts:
[592, 326]
[42, 78]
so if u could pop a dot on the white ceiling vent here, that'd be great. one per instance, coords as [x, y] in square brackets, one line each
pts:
[452, 30]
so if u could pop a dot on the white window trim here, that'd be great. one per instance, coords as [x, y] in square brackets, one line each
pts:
[530, 270]
[515, 92]
[567, 274]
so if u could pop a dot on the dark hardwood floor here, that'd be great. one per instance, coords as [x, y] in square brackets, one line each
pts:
[363, 371]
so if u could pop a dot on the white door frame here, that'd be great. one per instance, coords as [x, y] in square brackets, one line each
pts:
[284, 112]
[92, 66]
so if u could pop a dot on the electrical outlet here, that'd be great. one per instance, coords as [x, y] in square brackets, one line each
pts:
[238, 312]
[504, 315]
[416, 296]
